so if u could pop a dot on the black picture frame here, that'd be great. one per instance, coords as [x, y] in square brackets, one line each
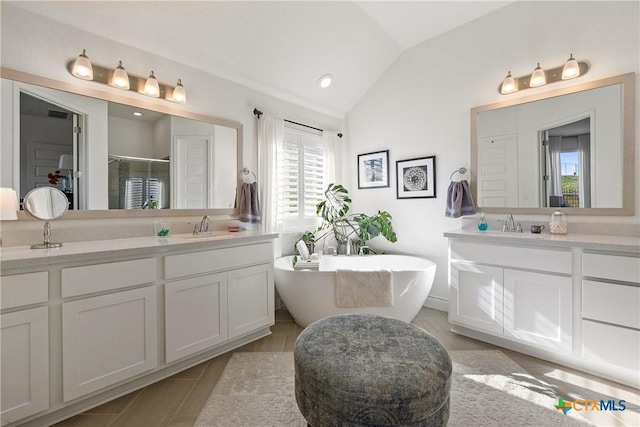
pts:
[373, 169]
[416, 178]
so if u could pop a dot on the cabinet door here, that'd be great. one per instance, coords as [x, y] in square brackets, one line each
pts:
[475, 298]
[251, 300]
[25, 363]
[195, 315]
[108, 339]
[538, 309]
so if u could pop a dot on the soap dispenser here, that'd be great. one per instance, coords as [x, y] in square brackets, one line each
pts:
[482, 223]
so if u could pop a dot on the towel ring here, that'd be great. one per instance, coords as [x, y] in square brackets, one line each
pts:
[245, 174]
[461, 171]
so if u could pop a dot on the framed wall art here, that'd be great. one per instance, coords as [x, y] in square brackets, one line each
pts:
[416, 178]
[373, 169]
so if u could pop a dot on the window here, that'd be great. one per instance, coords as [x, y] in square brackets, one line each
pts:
[300, 176]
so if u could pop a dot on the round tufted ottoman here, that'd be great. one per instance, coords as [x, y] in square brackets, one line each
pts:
[369, 370]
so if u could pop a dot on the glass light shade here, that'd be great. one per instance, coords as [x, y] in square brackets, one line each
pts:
[508, 85]
[571, 69]
[82, 68]
[66, 161]
[538, 78]
[151, 87]
[8, 204]
[179, 94]
[325, 81]
[120, 78]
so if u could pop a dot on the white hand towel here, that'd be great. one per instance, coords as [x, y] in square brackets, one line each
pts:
[302, 249]
[358, 288]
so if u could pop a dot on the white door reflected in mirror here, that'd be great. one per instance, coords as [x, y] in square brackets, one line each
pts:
[48, 204]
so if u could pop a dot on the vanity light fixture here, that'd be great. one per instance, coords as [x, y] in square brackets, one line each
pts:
[82, 68]
[179, 94]
[120, 78]
[325, 81]
[151, 87]
[508, 84]
[537, 77]
[570, 70]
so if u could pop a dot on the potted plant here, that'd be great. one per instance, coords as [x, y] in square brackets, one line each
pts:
[336, 219]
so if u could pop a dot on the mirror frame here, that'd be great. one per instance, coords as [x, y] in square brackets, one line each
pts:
[628, 150]
[7, 73]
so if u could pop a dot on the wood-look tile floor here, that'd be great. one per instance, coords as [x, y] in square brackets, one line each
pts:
[177, 400]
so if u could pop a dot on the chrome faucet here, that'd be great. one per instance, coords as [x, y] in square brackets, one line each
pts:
[348, 246]
[203, 228]
[511, 226]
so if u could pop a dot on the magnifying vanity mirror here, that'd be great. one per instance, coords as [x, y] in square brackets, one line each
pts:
[571, 148]
[119, 155]
[47, 204]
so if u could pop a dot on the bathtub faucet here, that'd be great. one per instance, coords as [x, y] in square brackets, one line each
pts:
[348, 246]
[362, 248]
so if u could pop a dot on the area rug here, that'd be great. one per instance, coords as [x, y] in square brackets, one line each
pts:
[488, 389]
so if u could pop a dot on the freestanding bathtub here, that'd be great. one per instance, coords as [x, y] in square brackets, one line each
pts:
[311, 295]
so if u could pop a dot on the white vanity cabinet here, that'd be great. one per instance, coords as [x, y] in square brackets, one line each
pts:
[107, 338]
[195, 315]
[611, 309]
[25, 346]
[88, 322]
[493, 290]
[208, 309]
[574, 299]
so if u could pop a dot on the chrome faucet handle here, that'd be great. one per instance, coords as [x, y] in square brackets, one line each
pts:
[362, 248]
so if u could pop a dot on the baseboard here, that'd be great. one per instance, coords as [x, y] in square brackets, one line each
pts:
[437, 303]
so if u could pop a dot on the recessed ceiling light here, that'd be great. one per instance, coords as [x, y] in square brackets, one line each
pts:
[137, 113]
[325, 81]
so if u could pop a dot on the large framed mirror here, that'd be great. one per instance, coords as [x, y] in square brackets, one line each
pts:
[113, 155]
[572, 148]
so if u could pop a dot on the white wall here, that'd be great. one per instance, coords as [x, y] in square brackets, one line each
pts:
[35, 44]
[420, 107]
[130, 137]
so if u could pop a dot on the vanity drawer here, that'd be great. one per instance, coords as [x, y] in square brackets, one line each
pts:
[611, 303]
[24, 289]
[105, 277]
[551, 260]
[611, 344]
[612, 267]
[217, 259]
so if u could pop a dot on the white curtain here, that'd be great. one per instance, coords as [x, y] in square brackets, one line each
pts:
[331, 142]
[584, 170]
[270, 137]
[555, 168]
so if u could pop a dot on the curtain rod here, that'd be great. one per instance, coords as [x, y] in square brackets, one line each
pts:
[258, 113]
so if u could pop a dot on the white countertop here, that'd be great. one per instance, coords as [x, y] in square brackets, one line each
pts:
[587, 241]
[24, 256]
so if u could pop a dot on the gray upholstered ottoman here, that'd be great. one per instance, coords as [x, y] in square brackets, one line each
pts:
[369, 370]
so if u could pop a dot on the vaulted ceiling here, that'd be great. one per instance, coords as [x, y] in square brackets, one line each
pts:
[279, 47]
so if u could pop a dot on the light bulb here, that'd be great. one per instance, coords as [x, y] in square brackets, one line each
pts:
[538, 77]
[325, 81]
[179, 94]
[508, 84]
[151, 87]
[82, 68]
[571, 68]
[120, 77]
